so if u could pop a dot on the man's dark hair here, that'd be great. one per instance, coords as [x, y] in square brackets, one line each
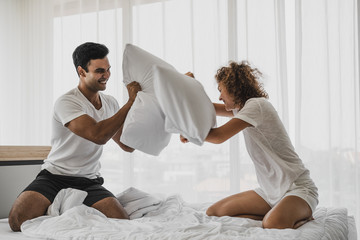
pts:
[88, 51]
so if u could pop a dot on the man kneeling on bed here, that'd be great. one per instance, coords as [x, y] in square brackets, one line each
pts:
[84, 119]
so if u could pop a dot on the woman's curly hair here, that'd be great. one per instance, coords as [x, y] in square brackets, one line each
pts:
[241, 81]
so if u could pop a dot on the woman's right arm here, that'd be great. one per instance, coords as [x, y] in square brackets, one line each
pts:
[219, 108]
[226, 131]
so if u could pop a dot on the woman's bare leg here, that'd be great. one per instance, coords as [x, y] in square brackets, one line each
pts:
[290, 212]
[246, 204]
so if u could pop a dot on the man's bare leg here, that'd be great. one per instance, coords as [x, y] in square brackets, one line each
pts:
[111, 208]
[27, 206]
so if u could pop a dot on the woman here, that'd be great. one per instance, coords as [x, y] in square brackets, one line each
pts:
[287, 197]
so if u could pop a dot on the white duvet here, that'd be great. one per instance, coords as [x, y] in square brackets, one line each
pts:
[176, 219]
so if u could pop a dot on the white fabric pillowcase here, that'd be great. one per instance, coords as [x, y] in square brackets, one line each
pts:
[170, 102]
[187, 108]
[144, 125]
[137, 66]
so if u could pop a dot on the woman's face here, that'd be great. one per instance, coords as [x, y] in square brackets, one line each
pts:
[226, 98]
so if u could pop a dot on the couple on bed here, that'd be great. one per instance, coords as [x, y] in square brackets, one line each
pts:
[84, 119]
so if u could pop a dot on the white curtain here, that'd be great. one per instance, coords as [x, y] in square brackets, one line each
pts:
[307, 51]
[327, 98]
[26, 48]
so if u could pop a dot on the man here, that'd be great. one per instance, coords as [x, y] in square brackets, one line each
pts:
[84, 119]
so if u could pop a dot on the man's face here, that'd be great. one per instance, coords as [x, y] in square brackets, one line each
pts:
[98, 74]
[226, 98]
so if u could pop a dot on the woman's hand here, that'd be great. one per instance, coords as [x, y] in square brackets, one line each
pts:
[190, 74]
[183, 140]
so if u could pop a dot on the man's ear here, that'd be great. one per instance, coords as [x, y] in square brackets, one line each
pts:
[81, 71]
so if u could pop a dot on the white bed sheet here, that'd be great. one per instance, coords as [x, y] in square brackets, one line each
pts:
[7, 234]
[176, 219]
[352, 228]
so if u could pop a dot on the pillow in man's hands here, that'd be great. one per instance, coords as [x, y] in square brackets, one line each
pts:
[144, 125]
[187, 108]
[137, 66]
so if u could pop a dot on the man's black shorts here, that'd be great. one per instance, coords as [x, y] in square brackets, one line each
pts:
[49, 185]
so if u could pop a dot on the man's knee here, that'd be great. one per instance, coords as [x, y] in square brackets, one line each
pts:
[16, 218]
[14, 222]
[27, 206]
[111, 208]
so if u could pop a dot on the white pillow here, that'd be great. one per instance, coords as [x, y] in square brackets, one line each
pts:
[187, 108]
[130, 194]
[144, 125]
[137, 66]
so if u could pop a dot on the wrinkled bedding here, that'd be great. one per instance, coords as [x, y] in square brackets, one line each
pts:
[176, 219]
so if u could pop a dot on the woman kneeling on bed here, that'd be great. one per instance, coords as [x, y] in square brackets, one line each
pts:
[287, 196]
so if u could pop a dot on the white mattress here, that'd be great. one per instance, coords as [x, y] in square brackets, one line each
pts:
[176, 219]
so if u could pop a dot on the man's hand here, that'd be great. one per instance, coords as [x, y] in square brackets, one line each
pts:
[190, 74]
[133, 89]
[183, 140]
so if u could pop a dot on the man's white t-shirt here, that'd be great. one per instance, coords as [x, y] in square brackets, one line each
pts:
[276, 163]
[71, 154]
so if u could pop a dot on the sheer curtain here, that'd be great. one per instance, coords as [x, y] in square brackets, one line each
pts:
[26, 63]
[327, 98]
[307, 51]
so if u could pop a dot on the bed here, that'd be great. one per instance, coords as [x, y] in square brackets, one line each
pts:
[174, 218]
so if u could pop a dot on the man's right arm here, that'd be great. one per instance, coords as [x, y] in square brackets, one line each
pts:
[101, 132]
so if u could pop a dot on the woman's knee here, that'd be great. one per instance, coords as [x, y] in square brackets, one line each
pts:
[210, 211]
[276, 222]
[217, 211]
